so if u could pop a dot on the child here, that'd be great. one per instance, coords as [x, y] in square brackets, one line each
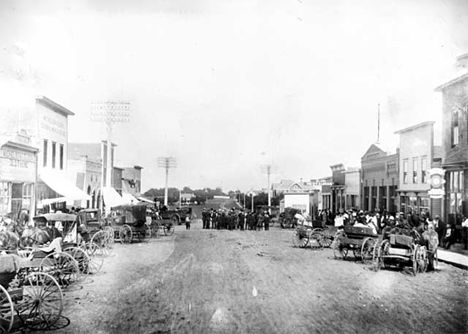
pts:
[187, 223]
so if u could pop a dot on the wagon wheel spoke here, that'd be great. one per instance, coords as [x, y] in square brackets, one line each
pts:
[367, 251]
[415, 257]
[7, 311]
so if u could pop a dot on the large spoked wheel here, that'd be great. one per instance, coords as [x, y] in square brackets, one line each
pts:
[316, 237]
[326, 240]
[367, 250]
[155, 226]
[7, 312]
[42, 303]
[80, 256]
[300, 238]
[62, 267]
[148, 232]
[339, 251]
[96, 257]
[175, 220]
[102, 239]
[169, 229]
[415, 258]
[125, 234]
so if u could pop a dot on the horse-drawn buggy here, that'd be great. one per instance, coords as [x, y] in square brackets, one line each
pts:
[287, 218]
[313, 232]
[129, 222]
[94, 229]
[359, 240]
[399, 248]
[28, 298]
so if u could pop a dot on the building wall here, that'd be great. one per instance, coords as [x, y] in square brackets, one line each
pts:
[298, 200]
[352, 189]
[86, 175]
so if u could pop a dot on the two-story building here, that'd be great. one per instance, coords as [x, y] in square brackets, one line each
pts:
[345, 188]
[416, 156]
[455, 144]
[379, 174]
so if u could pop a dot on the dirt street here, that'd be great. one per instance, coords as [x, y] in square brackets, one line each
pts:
[210, 281]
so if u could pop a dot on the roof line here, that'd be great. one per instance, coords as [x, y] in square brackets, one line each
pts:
[412, 127]
[451, 82]
[45, 101]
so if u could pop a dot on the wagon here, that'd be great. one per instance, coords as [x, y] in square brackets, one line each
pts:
[359, 240]
[128, 223]
[95, 231]
[315, 233]
[28, 299]
[401, 248]
[157, 225]
[286, 219]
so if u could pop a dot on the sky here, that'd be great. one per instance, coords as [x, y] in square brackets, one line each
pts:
[228, 86]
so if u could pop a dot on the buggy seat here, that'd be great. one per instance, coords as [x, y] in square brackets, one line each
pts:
[401, 241]
[356, 232]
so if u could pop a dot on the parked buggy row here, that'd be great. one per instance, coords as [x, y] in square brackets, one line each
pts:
[394, 247]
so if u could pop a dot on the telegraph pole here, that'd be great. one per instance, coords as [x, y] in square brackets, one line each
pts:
[268, 169]
[109, 112]
[167, 163]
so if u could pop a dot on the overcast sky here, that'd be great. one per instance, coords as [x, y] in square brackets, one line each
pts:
[226, 86]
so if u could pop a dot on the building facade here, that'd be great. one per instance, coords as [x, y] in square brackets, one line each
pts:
[131, 180]
[416, 156]
[345, 188]
[379, 173]
[455, 148]
[86, 174]
[18, 169]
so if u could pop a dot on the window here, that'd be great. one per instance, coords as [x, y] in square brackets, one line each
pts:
[405, 171]
[27, 195]
[415, 170]
[54, 149]
[455, 130]
[44, 153]
[423, 170]
[61, 156]
[4, 198]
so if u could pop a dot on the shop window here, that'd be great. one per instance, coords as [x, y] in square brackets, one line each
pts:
[4, 198]
[61, 156]
[27, 195]
[54, 151]
[44, 152]
[415, 170]
[405, 171]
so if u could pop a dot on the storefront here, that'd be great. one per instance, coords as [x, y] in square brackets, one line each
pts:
[18, 170]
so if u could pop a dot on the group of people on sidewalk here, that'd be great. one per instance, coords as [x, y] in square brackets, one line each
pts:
[235, 219]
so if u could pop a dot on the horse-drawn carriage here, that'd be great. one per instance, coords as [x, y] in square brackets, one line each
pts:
[129, 222]
[28, 299]
[93, 228]
[399, 247]
[359, 240]
[315, 233]
[287, 218]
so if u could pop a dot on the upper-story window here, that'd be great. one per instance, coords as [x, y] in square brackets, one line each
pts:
[61, 156]
[44, 152]
[415, 170]
[423, 170]
[54, 153]
[405, 171]
[455, 129]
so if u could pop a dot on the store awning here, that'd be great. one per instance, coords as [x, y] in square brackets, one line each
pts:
[142, 199]
[64, 187]
[130, 197]
[112, 198]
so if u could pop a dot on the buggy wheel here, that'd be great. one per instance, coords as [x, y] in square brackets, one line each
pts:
[381, 249]
[300, 238]
[148, 232]
[367, 250]
[96, 257]
[101, 238]
[317, 235]
[169, 229]
[62, 267]
[175, 219]
[326, 240]
[110, 232]
[82, 259]
[42, 302]
[125, 234]
[7, 311]
[155, 230]
[287, 223]
[415, 258]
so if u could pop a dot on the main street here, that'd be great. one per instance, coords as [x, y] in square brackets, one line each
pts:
[210, 281]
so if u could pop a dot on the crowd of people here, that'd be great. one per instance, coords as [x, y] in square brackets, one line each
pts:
[223, 219]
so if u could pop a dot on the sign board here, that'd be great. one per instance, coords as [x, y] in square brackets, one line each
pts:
[436, 181]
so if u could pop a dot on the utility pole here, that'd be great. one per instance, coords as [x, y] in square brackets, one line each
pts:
[167, 163]
[109, 112]
[268, 170]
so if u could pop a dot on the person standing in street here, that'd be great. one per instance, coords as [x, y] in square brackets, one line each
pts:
[266, 221]
[187, 223]
[440, 227]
